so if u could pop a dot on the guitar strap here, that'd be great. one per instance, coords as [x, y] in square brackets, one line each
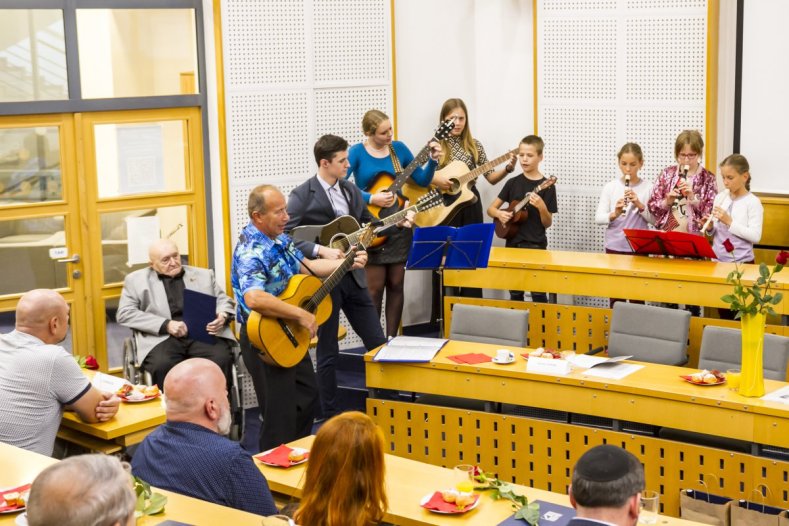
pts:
[395, 161]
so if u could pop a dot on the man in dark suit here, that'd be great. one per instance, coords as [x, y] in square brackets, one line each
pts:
[606, 488]
[318, 201]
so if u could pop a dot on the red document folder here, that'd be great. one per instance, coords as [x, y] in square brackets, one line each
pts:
[679, 244]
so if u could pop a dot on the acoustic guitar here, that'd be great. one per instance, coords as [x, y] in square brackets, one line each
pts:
[519, 212]
[344, 231]
[385, 182]
[283, 343]
[458, 196]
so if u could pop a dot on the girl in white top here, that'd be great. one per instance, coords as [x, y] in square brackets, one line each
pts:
[737, 214]
[623, 201]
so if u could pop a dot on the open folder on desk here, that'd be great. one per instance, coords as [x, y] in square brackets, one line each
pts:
[199, 311]
[409, 349]
[586, 361]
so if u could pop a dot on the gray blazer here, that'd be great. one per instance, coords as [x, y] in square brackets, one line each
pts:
[308, 204]
[143, 305]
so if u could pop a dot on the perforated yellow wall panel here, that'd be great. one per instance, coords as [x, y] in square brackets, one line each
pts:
[541, 453]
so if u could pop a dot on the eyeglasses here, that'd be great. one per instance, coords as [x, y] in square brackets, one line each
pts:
[687, 155]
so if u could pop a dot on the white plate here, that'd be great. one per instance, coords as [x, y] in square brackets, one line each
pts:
[494, 360]
[297, 449]
[427, 498]
[21, 520]
[16, 510]
[134, 401]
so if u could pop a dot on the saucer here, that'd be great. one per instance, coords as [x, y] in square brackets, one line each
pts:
[502, 362]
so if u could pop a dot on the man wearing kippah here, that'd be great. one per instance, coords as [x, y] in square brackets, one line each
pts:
[606, 488]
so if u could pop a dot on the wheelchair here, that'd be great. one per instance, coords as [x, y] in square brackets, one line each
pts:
[134, 373]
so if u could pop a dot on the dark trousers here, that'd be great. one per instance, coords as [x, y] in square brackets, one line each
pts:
[172, 351]
[519, 295]
[287, 397]
[358, 307]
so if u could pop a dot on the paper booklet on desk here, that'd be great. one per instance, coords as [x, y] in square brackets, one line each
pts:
[586, 361]
[779, 395]
[409, 349]
[199, 311]
[678, 244]
[550, 513]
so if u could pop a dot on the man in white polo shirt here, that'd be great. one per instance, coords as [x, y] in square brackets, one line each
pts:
[39, 378]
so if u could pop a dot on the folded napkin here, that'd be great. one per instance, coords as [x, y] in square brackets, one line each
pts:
[20, 489]
[470, 358]
[278, 456]
[438, 503]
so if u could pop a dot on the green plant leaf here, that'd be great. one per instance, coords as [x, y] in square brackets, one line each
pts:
[728, 298]
[155, 504]
[763, 270]
[530, 513]
[777, 298]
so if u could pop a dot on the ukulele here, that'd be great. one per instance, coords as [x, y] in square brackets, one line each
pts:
[284, 343]
[384, 182]
[458, 196]
[519, 212]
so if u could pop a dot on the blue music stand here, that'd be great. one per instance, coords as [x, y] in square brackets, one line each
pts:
[445, 247]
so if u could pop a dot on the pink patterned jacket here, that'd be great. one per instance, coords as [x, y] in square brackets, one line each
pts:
[705, 188]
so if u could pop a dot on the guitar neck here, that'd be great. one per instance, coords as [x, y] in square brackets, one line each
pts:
[542, 186]
[420, 159]
[523, 202]
[330, 282]
[479, 170]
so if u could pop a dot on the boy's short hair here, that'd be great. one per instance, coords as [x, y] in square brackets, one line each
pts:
[327, 146]
[533, 140]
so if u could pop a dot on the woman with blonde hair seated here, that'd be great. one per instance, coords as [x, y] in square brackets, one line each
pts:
[344, 483]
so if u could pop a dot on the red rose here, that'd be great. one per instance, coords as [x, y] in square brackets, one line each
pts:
[728, 246]
[782, 257]
[91, 363]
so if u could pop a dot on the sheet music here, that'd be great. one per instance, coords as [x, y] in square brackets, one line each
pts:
[410, 349]
[613, 372]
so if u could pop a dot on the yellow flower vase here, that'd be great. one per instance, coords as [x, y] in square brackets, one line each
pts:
[752, 377]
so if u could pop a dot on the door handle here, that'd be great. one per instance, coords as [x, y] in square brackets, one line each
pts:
[72, 259]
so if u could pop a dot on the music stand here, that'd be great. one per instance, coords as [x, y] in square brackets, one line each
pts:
[677, 244]
[445, 247]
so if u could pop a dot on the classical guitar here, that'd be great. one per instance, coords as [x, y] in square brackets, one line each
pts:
[343, 239]
[283, 343]
[385, 182]
[519, 211]
[458, 196]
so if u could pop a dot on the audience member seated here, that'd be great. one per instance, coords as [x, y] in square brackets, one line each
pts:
[606, 488]
[152, 303]
[189, 454]
[87, 489]
[344, 481]
[39, 378]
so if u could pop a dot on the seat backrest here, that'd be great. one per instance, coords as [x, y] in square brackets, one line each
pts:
[496, 325]
[721, 348]
[649, 334]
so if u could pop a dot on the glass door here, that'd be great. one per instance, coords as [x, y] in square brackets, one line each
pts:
[41, 244]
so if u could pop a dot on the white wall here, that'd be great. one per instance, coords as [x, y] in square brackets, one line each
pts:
[480, 51]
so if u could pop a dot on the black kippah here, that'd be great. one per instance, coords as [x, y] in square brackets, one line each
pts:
[603, 464]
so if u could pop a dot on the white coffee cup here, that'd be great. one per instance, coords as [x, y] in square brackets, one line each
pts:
[504, 355]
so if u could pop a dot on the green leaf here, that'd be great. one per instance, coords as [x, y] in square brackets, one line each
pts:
[156, 504]
[763, 270]
[728, 298]
[771, 312]
[777, 298]
[529, 513]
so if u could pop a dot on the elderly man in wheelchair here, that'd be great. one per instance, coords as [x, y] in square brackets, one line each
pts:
[152, 305]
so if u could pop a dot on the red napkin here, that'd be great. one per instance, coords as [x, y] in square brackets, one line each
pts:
[470, 358]
[438, 503]
[278, 456]
[20, 489]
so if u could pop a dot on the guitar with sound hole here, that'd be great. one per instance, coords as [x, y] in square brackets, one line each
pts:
[519, 212]
[283, 343]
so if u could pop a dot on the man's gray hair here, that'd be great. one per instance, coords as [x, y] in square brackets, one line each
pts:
[86, 490]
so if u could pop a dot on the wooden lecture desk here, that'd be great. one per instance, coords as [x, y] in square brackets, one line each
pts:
[132, 423]
[653, 395]
[20, 466]
[593, 274]
[408, 481]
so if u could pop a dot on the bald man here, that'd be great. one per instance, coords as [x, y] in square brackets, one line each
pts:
[189, 454]
[39, 378]
[152, 304]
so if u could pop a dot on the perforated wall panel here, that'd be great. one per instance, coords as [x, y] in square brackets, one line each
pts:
[295, 70]
[611, 72]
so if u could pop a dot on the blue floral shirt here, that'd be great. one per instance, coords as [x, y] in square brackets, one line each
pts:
[262, 263]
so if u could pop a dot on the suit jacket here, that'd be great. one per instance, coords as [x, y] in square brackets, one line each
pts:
[308, 204]
[578, 521]
[143, 305]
